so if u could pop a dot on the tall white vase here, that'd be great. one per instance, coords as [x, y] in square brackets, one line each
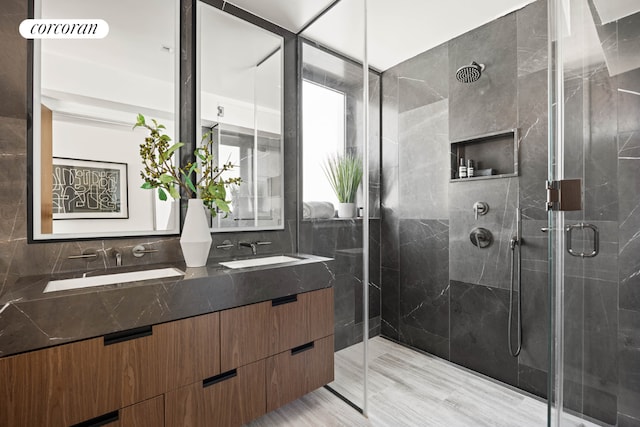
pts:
[195, 240]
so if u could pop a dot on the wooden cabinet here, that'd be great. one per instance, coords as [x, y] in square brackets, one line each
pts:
[244, 335]
[149, 413]
[230, 399]
[213, 369]
[257, 331]
[136, 368]
[190, 349]
[294, 373]
[57, 386]
[320, 308]
[72, 383]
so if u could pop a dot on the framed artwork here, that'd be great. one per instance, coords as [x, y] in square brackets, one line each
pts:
[89, 189]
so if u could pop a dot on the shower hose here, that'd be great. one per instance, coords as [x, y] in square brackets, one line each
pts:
[515, 245]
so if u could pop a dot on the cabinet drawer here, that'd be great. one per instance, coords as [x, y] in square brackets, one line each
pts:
[244, 335]
[76, 382]
[58, 386]
[257, 331]
[230, 399]
[190, 349]
[301, 318]
[149, 413]
[320, 309]
[294, 373]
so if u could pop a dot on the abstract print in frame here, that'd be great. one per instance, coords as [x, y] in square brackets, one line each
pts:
[89, 189]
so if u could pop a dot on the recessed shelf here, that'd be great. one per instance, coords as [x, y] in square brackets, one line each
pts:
[496, 152]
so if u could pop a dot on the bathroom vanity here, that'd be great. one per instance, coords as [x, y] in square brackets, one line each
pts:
[265, 339]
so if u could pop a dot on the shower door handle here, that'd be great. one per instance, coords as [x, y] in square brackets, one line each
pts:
[596, 240]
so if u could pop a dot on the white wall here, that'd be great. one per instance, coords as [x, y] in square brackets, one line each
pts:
[84, 139]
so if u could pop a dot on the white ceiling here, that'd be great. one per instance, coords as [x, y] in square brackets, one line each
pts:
[289, 14]
[613, 10]
[397, 30]
[230, 49]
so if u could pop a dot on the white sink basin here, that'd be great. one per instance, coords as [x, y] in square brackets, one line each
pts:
[111, 279]
[256, 262]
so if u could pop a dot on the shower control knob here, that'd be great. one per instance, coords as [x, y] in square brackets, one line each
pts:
[481, 237]
[480, 208]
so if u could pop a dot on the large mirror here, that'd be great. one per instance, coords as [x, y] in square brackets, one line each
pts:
[86, 94]
[240, 74]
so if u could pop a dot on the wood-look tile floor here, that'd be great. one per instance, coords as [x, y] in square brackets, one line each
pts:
[408, 388]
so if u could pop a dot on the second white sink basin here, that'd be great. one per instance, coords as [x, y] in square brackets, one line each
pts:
[111, 279]
[256, 262]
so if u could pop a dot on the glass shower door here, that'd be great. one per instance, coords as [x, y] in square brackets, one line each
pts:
[594, 262]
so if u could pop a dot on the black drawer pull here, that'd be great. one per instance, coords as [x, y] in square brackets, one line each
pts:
[284, 300]
[129, 334]
[301, 348]
[102, 420]
[219, 378]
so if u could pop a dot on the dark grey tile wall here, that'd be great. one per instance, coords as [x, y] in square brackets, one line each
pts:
[628, 100]
[424, 285]
[488, 105]
[20, 258]
[341, 239]
[489, 266]
[432, 276]
[419, 97]
[479, 316]
[13, 58]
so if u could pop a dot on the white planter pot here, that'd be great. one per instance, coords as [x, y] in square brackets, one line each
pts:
[346, 210]
[195, 240]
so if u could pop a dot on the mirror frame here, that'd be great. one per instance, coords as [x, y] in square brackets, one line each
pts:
[33, 141]
[229, 11]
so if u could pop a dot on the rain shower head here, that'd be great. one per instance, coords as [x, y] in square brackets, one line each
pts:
[469, 73]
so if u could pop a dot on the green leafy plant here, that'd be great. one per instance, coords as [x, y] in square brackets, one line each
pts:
[344, 172]
[199, 179]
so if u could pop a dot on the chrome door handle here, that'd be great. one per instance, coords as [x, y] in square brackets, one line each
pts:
[596, 240]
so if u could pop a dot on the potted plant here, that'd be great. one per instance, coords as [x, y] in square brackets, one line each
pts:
[344, 172]
[200, 182]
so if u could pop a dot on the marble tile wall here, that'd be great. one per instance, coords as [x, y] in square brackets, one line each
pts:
[602, 318]
[18, 258]
[432, 276]
[422, 222]
[341, 239]
[628, 100]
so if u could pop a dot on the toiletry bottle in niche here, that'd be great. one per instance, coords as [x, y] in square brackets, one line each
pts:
[470, 168]
[462, 169]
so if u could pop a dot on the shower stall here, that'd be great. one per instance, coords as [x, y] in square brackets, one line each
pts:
[525, 271]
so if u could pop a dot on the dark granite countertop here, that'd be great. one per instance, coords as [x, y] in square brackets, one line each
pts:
[31, 320]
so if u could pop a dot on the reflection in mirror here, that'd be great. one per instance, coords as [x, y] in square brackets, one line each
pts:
[241, 111]
[86, 94]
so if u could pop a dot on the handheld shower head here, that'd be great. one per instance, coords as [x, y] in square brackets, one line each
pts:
[469, 73]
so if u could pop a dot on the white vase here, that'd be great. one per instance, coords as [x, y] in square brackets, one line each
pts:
[195, 240]
[346, 210]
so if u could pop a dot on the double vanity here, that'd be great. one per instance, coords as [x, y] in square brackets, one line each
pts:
[218, 346]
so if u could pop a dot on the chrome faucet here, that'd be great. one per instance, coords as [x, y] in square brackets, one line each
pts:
[253, 246]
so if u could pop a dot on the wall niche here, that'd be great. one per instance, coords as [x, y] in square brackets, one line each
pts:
[493, 155]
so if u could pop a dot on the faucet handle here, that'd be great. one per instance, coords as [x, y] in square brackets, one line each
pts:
[262, 243]
[480, 208]
[139, 251]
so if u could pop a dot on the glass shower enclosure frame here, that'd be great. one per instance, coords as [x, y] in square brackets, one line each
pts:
[593, 110]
